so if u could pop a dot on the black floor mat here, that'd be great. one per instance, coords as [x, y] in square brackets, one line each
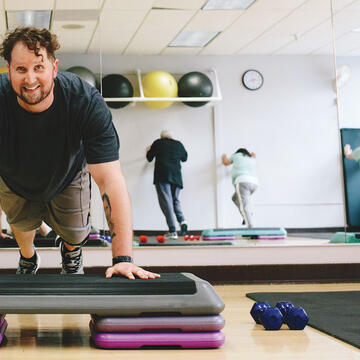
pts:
[335, 313]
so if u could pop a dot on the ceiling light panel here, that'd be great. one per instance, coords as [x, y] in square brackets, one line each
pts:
[158, 30]
[193, 38]
[181, 51]
[216, 20]
[128, 4]
[228, 4]
[78, 4]
[179, 4]
[37, 18]
[29, 5]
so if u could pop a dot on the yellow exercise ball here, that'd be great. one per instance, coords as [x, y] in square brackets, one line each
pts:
[159, 84]
[3, 69]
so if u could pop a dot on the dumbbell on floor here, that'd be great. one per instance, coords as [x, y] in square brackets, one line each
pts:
[295, 317]
[285, 312]
[284, 307]
[258, 309]
[273, 318]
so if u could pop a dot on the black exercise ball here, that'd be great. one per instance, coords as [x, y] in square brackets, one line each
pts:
[115, 85]
[86, 74]
[195, 84]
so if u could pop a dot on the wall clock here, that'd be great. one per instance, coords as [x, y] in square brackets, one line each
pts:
[252, 79]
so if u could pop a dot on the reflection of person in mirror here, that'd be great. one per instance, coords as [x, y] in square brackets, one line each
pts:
[351, 154]
[56, 130]
[2, 234]
[245, 181]
[168, 180]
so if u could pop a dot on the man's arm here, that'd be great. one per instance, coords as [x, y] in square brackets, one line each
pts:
[150, 152]
[348, 152]
[184, 156]
[111, 183]
[225, 160]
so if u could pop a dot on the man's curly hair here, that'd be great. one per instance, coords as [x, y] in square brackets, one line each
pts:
[33, 38]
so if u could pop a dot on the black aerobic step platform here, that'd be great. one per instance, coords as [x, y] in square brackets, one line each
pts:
[171, 294]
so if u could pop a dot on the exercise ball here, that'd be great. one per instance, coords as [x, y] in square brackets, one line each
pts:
[86, 74]
[115, 85]
[159, 84]
[3, 69]
[195, 84]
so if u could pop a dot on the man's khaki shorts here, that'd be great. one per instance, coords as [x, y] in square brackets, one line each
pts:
[68, 213]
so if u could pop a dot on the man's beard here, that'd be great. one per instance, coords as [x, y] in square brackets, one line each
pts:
[37, 97]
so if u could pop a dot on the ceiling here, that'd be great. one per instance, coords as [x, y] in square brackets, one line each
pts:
[137, 27]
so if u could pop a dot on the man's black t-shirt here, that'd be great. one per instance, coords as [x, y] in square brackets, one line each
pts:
[168, 154]
[40, 153]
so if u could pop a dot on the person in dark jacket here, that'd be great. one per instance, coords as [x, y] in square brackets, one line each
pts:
[168, 180]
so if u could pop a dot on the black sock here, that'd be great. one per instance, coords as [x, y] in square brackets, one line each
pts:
[32, 259]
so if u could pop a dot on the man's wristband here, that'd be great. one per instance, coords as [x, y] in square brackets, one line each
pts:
[120, 259]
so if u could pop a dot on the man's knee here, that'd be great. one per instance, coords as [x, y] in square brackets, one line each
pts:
[74, 237]
[74, 240]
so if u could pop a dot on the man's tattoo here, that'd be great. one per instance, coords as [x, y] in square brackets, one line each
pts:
[107, 209]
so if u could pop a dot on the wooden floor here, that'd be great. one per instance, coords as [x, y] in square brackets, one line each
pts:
[66, 337]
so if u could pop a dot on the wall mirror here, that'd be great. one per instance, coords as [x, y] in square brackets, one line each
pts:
[290, 121]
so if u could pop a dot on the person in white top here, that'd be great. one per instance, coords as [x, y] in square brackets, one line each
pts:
[245, 181]
[352, 154]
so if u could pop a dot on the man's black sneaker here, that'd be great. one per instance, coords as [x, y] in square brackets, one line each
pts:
[72, 261]
[28, 267]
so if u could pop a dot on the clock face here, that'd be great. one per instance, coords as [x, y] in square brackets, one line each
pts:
[252, 79]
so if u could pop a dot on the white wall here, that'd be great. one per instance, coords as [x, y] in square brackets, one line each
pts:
[291, 124]
[349, 93]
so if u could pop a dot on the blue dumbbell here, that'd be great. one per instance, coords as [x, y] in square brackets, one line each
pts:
[257, 309]
[272, 319]
[284, 307]
[297, 318]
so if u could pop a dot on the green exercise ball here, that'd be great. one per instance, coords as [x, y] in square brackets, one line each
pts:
[195, 84]
[115, 85]
[86, 74]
